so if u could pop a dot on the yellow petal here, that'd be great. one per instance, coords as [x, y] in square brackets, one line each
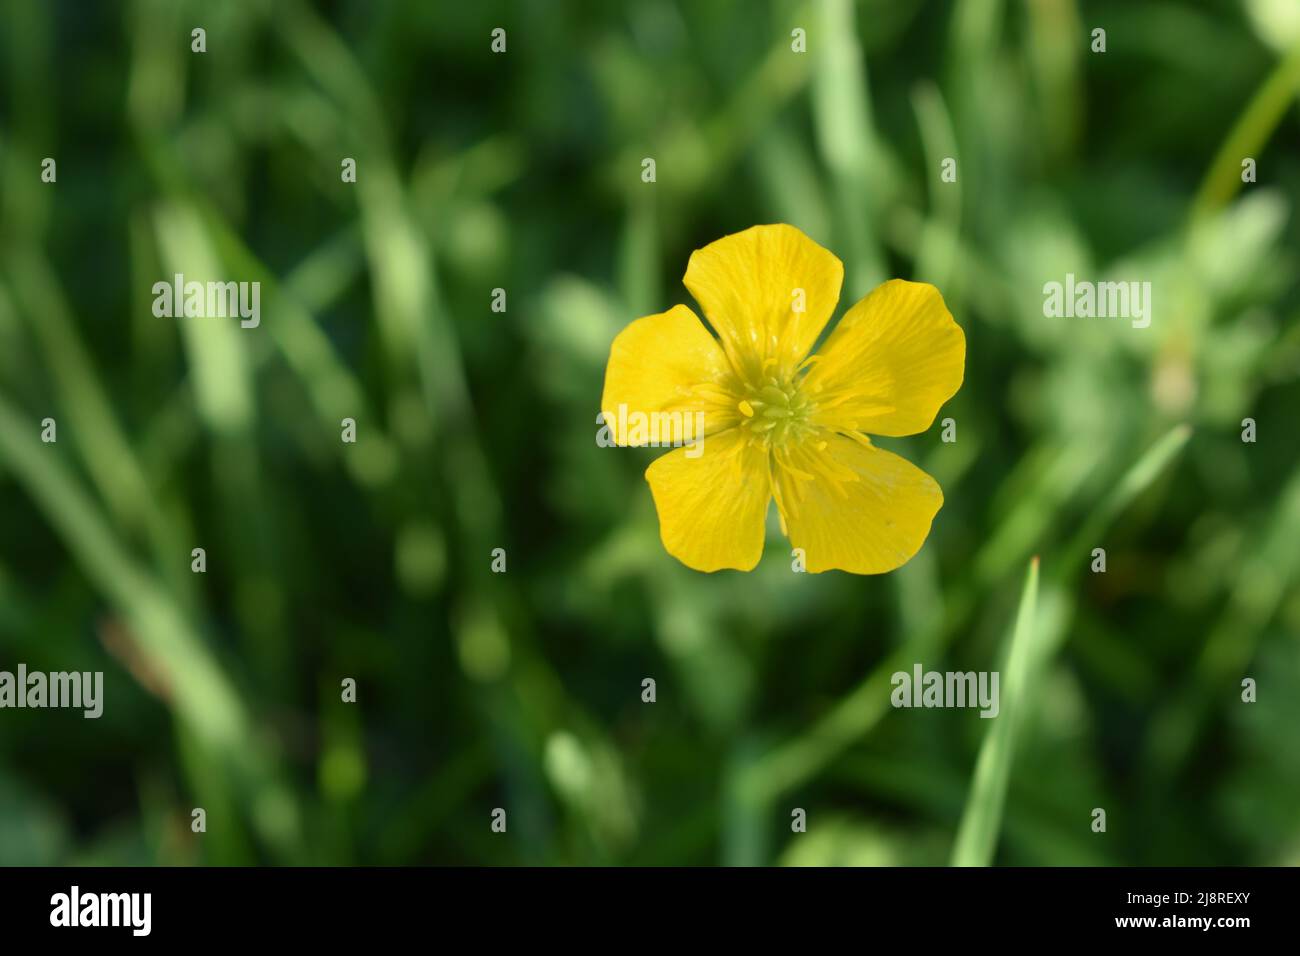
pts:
[751, 286]
[667, 364]
[853, 506]
[890, 364]
[713, 507]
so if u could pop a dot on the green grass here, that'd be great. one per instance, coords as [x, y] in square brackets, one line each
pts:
[977, 834]
[476, 431]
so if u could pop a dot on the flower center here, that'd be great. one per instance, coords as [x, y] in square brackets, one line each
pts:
[776, 411]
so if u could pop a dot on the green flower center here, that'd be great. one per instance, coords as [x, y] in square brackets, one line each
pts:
[776, 412]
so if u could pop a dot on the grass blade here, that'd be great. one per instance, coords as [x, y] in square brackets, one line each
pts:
[977, 835]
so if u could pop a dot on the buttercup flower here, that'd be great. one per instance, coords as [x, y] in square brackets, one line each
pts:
[779, 422]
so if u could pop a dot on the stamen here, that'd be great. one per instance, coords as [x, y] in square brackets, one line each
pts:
[774, 482]
[774, 407]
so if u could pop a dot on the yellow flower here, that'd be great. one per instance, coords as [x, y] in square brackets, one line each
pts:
[781, 423]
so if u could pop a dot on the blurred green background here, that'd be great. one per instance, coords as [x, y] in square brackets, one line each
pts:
[476, 429]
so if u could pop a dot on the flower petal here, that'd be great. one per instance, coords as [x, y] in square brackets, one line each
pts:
[853, 506]
[713, 507]
[667, 363]
[751, 285]
[890, 364]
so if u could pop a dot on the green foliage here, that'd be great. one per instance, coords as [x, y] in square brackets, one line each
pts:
[475, 430]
